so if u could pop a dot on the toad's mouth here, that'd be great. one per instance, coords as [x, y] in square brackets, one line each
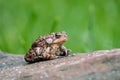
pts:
[60, 41]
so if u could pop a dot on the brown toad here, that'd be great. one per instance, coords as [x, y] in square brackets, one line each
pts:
[47, 47]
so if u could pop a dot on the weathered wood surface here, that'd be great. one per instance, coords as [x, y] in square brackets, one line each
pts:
[98, 65]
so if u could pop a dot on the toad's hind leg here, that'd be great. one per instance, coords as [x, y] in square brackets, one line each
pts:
[48, 56]
[31, 58]
[64, 51]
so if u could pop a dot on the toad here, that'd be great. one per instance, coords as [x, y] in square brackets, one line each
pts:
[47, 48]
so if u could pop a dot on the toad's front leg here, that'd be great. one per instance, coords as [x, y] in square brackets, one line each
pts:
[64, 51]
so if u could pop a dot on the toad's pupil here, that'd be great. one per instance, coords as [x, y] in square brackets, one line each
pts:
[57, 36]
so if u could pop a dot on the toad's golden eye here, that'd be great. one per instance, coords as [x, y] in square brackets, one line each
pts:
[57, 35]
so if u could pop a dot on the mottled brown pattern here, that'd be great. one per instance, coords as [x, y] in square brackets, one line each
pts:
[47, 47]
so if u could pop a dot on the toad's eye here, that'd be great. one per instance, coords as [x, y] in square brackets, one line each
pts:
[49, 40]
[57, 35]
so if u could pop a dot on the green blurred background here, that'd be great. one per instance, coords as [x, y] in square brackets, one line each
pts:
[90, 24]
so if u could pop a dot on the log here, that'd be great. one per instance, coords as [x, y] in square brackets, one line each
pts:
[97, 65]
